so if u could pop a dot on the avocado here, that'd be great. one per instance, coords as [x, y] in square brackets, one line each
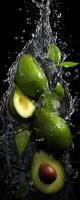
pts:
[47, 173]
[52, 128]
[30, 77]
[20, 106]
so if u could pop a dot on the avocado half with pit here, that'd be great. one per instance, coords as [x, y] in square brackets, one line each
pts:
[20, 106]
[47, 173]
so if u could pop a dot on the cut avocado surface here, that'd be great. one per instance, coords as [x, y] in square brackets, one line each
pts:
[21, 105]
[39, 159]
[30, 77]
[52, 128]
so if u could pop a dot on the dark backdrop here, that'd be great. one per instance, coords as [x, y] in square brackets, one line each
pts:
[12, 25]
[13, 22]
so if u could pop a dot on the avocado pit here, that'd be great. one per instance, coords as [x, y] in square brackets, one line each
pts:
[47, 173]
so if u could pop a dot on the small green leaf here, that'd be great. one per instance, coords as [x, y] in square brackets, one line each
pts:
[68, 64]
[21, 192]
[21, 140]
[59, 90]
[54, 53]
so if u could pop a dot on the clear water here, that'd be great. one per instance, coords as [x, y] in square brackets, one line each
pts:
[16, 171]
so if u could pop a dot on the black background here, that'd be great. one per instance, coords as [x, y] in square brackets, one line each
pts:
[13, 22]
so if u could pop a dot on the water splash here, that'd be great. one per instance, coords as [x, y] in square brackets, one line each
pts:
[15, 169]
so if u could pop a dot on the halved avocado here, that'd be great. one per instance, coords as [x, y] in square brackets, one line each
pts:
[20, 105]
[47, 173]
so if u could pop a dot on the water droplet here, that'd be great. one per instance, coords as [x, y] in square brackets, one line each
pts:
[32, 34]
[20, 9]
[5, 66]
[16, 38]
[76, 70]
[59, 16]
[22, 41]
[22, 37]
[9, 57]
[23, 31]
[75, 175]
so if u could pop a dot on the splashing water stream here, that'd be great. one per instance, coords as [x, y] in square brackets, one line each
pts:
[16, 171]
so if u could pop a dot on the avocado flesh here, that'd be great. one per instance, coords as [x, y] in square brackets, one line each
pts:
[20, 106]
[52, 128]
[23, 105]
[38, 159]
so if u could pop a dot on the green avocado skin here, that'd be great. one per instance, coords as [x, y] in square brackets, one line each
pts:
[52, 128]
[30, 77]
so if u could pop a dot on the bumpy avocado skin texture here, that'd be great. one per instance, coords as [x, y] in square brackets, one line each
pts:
[38, 159]
[52, 128]
[30, 77]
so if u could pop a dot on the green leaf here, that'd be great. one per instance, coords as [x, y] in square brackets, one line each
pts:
[21, 140]
[68, 64]
[54, 53]
[59, 90]
[22, 192]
